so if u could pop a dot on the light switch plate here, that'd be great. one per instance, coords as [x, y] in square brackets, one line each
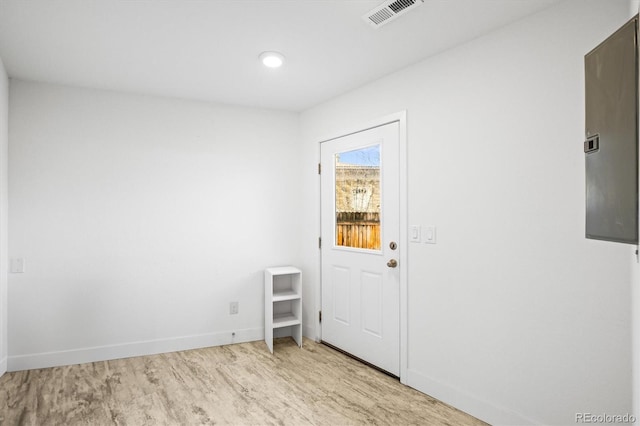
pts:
[17, 265]
[414, 234]
[429, 234]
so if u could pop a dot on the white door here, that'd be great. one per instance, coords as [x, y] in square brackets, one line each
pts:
[360, 249]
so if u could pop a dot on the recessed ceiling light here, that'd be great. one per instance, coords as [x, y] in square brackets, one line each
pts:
[272, 59]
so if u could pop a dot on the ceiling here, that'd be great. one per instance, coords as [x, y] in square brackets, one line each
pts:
[208, 49]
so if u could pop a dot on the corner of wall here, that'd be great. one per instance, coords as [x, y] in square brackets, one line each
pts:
[635, 301]
[4, 142]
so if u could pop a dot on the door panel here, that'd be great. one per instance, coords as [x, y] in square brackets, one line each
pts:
[341, 296]
[371, 306]
[360, 218]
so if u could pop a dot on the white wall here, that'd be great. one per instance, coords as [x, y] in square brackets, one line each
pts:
[140, 219]
[4, 142]
[513, 315]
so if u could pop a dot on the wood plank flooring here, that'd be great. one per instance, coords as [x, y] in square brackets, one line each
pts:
[240, 384]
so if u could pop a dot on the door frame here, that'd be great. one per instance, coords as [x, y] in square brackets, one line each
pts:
[401, 118]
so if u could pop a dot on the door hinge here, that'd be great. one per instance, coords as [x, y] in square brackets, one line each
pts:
[319, 242]
[319, 168]
[320, 316]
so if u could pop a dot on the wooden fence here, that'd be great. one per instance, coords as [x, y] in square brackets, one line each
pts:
[358, 229]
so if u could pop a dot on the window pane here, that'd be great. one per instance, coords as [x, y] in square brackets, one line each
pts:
[358, 198]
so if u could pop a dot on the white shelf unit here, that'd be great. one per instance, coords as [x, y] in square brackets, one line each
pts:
[282, 304]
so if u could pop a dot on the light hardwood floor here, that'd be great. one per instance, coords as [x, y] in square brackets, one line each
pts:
[238, 384]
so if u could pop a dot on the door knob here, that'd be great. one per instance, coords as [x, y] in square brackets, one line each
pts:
[392, 263]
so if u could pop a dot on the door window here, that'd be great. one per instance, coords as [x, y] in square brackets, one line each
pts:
[357, 192]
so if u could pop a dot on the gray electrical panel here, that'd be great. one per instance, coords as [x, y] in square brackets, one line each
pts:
[611, 145]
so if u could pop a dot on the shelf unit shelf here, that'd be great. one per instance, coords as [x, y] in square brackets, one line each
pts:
[285, 320]
[282, 303]
[285, 295]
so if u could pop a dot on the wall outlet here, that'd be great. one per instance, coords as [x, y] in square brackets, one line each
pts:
[233, 308]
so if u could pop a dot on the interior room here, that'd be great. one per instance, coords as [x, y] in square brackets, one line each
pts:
[151, 169]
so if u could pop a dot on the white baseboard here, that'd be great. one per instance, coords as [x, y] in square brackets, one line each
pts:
[463, 401]
[3, 366]
[127, 350]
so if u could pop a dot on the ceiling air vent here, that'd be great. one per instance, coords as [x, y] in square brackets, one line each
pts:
[390, 10]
